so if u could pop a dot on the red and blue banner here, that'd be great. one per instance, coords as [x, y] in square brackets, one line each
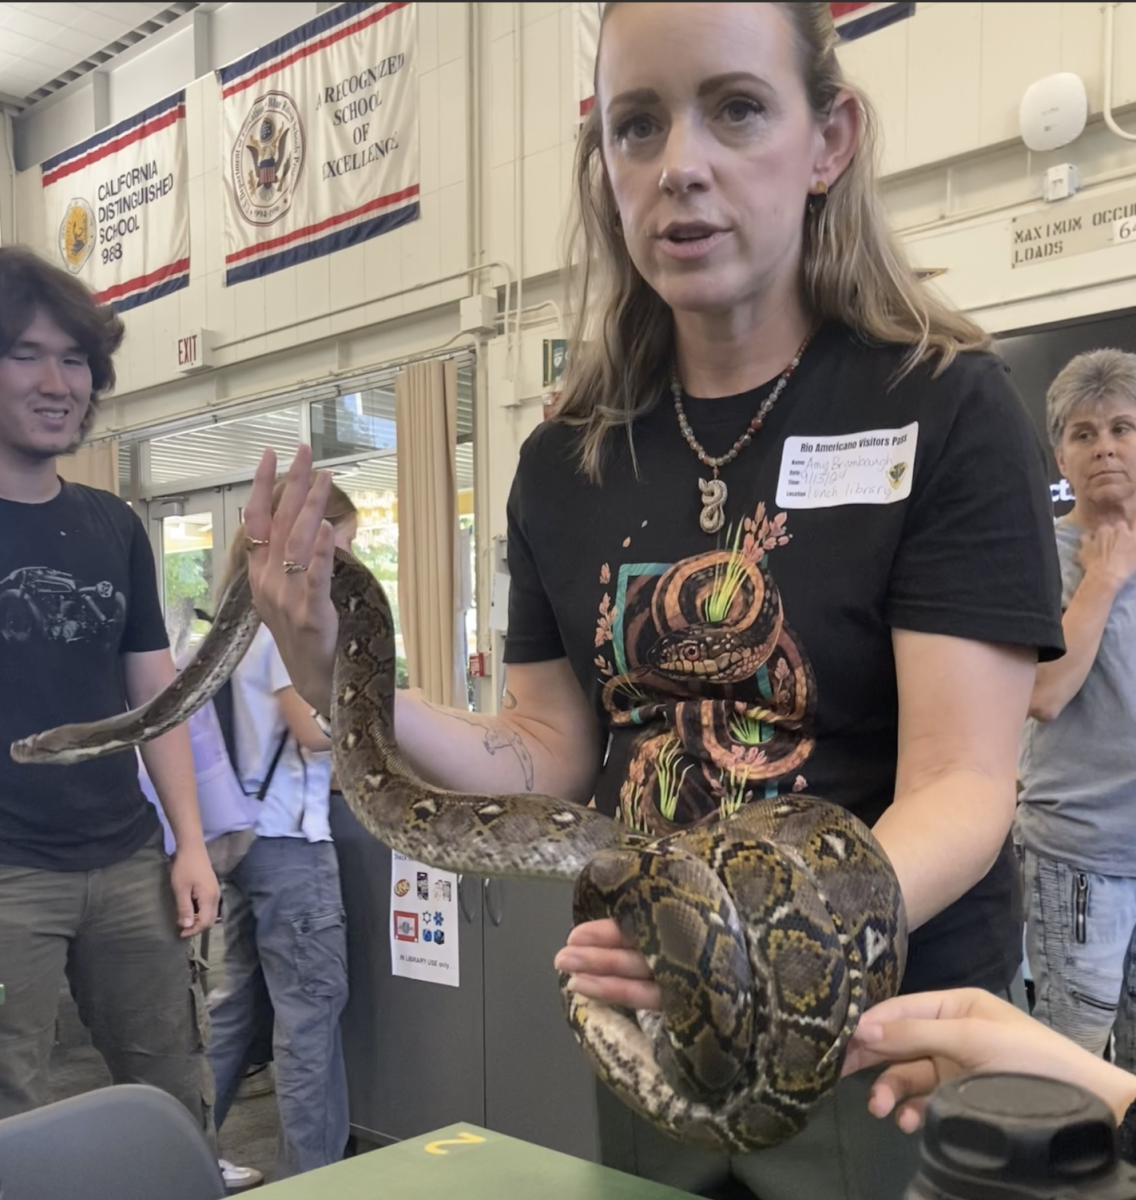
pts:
[117, 207]
[855, 20]
[320, 136]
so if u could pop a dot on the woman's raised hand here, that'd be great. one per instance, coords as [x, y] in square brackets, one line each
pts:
[290, 557]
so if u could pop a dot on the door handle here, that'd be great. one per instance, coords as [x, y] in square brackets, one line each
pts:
[495, 917]
[465, 910]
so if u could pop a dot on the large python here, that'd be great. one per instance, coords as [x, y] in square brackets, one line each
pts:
[769, 932]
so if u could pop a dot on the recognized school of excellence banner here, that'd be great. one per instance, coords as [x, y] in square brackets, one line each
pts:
[117, 207]
[320, 135]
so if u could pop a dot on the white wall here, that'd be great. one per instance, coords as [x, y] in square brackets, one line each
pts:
[235, 29]
[317, 309]
[165, 68]
[67, 118]
[7, 183]
[947, 84]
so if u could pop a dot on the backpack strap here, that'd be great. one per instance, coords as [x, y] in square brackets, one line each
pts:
[223, 704]
[263, 791]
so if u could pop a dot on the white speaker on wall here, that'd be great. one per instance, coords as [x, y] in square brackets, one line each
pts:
[1053, 111]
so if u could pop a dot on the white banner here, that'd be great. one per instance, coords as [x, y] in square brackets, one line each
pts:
[424, 922]
[320, 138]
[587, 34]
[117, 207]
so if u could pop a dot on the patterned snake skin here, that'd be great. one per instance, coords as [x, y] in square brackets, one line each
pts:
[769, 932]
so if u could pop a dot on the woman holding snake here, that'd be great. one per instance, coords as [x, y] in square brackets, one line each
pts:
[789, 531]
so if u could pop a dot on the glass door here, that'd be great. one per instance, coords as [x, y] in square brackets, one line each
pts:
[191, 535]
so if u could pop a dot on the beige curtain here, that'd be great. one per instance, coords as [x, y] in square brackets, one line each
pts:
[96, 466]
[429, 581]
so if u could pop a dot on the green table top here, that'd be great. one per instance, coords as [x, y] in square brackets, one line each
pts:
[471, 1163]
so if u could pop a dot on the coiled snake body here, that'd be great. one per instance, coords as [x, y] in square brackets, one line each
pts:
[769, 932]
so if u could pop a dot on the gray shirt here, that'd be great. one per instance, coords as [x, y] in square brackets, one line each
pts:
[1078, 803]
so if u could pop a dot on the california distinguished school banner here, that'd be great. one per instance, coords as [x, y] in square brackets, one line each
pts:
[117, 207]
[320, 135]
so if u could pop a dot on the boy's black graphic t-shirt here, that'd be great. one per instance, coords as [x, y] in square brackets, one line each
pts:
[759, 660]
[77, 591]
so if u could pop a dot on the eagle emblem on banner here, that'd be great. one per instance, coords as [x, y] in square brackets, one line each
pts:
[267, 157]
[269, 166]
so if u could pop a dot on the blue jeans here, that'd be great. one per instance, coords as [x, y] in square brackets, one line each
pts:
[1080, 940]
[286, 965]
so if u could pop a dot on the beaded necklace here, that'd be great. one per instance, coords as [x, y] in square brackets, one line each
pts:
[714, 491]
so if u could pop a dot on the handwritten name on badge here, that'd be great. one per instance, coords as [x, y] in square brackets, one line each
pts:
[873, 467]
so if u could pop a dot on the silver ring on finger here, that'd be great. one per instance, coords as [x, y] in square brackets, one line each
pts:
[291, 567]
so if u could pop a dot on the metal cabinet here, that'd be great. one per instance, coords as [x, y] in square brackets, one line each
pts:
[414, 1051]
[538, 1084]
[496, 1051]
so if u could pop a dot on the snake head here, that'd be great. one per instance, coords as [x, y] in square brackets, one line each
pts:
[23, 751]
[703, 652]
[60, 747]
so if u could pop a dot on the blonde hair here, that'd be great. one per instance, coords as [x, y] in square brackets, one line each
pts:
[339, 508]
[852, 269]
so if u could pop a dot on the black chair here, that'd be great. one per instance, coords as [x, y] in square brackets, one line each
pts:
[116, 1143]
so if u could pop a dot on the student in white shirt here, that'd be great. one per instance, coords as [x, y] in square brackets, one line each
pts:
[285, 929]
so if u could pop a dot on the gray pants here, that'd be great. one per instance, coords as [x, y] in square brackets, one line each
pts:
[112, 933]
[286, 971]
[1080, 941]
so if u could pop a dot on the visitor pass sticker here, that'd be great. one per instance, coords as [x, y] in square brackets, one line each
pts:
[873, 467]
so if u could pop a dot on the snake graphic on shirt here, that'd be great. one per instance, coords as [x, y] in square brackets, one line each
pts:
[697, 655]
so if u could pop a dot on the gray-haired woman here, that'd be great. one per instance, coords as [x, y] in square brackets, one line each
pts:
[1077, 819]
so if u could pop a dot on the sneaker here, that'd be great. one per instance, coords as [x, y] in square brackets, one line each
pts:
[258, 1081]
[239, 1179]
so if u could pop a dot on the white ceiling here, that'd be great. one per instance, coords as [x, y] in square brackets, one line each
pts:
[41, 43]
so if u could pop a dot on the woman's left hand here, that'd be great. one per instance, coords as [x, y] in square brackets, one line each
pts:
[605, 966]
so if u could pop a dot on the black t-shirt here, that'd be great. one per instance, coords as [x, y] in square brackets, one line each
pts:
[759, 660]
[77, 591]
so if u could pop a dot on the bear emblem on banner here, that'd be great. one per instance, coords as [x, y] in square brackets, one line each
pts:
[77, 235]
[267, 158]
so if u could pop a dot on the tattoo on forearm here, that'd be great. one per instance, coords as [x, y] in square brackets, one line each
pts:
[496, 739]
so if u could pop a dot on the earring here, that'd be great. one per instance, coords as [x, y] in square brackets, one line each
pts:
[817, 198]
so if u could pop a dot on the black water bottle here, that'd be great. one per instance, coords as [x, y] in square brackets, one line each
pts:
[1019, 1137]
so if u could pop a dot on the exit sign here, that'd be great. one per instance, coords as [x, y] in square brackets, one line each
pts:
[194, 350]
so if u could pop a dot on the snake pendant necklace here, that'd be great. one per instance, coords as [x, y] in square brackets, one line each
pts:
[714, 490]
